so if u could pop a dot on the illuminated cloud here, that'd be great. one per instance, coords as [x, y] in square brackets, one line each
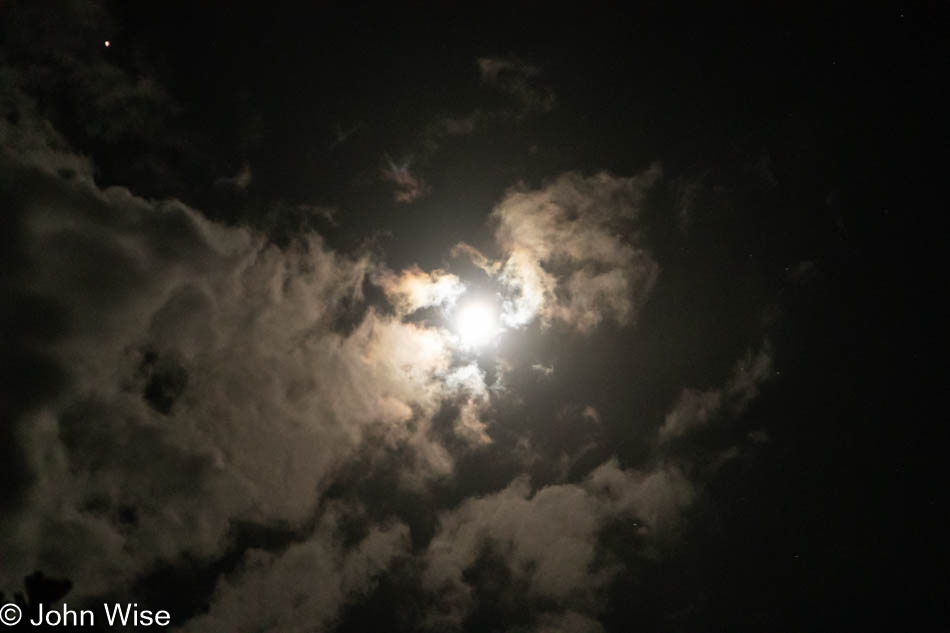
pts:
[203, 378]
[414, 289]
[547, 537]
[570, 251]
[468, 383]
[304, 586]
[544, 370]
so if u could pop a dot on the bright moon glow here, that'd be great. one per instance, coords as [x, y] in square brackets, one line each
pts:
[476, 324]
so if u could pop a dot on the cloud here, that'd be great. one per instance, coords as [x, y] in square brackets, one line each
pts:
[186, 375]
[343, 134]
[570, 251]
[468, 382]
[436, 132]
[414, 289]
[802, 273]
[695, 408]
[590, 413]
[567, 622]
[449, 126]
[685, 192]
[239, 181]
[28, 138]
[548, 537]
[751, 371]
[409, 187]
[303, 587]
[518, 79]
[762, 169]
[471, 253]
[544, 370]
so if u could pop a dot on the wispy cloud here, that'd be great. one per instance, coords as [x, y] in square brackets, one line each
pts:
[239, 181]
[695, 408]
[520, 80]
[409, 187]
[343, 134]
[570, 251]
[523, 85]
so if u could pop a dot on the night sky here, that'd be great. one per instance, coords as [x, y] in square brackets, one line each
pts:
[482, 318]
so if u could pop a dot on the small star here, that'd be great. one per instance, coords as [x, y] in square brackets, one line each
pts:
[107, 43]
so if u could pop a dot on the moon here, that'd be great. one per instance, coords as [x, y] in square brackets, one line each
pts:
[476, 324]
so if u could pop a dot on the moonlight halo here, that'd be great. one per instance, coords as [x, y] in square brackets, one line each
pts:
[476, 323]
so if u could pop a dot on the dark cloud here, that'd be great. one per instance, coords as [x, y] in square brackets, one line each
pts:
[343, 134]
[518, 79]
[695, 408]
[446, 127]
[525, 94]
[240, 181]
[804, 272]
[103, 99]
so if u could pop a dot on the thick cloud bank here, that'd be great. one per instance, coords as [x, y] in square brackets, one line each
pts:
[191, 374]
